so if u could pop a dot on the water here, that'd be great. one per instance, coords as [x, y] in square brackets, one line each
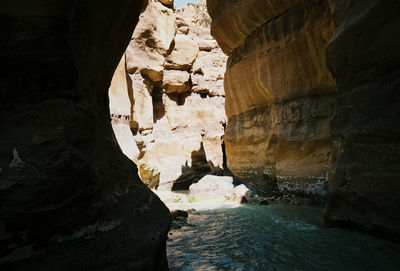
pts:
[274, 238]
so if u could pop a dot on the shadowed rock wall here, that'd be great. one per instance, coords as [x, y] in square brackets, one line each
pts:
[70, 199]
[364, 174]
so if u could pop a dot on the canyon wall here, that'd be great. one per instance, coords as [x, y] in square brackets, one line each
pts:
[291, 119]
[167, 97]
[279, 92]
[69, 199]
[364, 175]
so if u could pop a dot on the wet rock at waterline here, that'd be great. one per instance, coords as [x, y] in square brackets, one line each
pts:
[75, 202]
[178, 219]
[167, 98]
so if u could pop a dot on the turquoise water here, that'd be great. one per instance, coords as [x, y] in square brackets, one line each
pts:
[274, 238]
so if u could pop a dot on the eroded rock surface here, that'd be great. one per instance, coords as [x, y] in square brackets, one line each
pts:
[287, 117]
[75, 201]
[174, 97]
[279, 92]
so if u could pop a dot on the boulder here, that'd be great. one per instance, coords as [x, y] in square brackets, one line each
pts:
[219, 188]
[183, 54]
[176, 81]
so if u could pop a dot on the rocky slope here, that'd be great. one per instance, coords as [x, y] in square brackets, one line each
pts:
[69, 199]
[279, 92]
[167, 98]
[286, 110]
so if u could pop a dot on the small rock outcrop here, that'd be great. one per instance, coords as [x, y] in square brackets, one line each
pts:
[167, 107]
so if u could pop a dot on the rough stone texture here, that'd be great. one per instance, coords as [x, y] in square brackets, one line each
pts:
[279, 92]
[176, 81]
[280, 98]
[183, 55]
[177, 111]
[75, 201]
[364, 173]
[218, 187]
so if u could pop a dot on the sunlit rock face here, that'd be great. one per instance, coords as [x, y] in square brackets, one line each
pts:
[364, 57]
[168, 113]
[279, 92]
[71, 200]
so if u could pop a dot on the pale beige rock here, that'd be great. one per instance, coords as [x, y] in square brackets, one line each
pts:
[151, 41]
[118, 92]
[210, 187]
[218, 188]
[241, 193]
[183, 54]
[144, 60]
[177, 132]
[143, 104]
[176, 81]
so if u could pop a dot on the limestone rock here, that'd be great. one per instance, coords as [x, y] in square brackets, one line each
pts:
[279, 92]
[177, 125]
[151, 41]
[183, 55]
[176, 81]
[212, 187]
[241, 193]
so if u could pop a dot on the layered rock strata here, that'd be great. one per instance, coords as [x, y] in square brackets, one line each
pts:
[279, 92]
[299, 95]
[173, 98]
[364, 172]
[69, 199]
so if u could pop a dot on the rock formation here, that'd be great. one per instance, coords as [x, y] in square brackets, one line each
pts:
[279, 92]
[364, 57]
[292, 120]
[72, 200]
[167, 98]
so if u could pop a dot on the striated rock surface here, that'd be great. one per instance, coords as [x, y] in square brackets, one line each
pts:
[70, 199]
[290, 123]
[279, 92]
[174, 97]
[364, 57]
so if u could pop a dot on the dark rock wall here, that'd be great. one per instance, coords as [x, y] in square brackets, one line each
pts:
[364, 57]
[75, 201]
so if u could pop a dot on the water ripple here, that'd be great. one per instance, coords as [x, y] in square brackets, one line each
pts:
[274, 238]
